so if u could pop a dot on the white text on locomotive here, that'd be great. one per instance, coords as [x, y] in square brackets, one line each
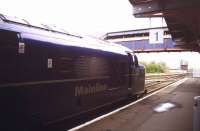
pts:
[89, 89]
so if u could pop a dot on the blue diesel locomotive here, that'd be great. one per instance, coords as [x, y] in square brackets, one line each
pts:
[48, 75]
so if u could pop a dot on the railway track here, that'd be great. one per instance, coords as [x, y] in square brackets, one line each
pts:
[157, 81]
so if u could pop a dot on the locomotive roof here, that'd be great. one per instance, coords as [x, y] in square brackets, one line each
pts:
[53, 34]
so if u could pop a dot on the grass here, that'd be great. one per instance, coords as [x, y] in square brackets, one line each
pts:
[153, 67]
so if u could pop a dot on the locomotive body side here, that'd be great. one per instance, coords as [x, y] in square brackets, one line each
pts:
[48, 83]
[45, 80]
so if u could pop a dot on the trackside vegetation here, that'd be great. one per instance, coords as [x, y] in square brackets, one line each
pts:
[153, 67]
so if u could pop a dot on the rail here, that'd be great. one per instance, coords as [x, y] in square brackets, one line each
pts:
[155, 82]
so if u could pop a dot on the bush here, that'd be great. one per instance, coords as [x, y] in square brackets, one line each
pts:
[153, 67]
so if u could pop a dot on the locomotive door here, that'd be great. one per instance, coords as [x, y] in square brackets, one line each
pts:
[136, 79]
[139, 77]
[8, 78]
[134, 73]
[8, 56]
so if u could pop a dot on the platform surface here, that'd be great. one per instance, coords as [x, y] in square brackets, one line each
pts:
[147, 115]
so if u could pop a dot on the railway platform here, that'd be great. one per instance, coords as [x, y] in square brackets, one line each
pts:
[169, 109]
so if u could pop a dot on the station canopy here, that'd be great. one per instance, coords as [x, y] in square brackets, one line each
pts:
[182, 18]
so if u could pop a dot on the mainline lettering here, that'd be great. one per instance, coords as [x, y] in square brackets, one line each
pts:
[89, 89]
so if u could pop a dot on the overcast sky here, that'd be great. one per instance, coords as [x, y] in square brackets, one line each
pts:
[172, 59]
[94, 17]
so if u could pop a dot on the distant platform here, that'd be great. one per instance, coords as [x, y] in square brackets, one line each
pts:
[170, 109]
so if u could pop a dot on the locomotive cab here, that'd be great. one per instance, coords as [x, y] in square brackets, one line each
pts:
[137, 76]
